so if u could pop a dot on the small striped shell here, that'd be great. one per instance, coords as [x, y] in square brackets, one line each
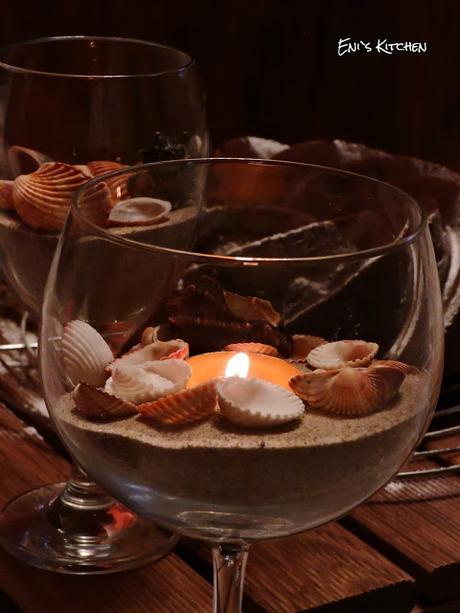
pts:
[349, 391]
[330, 356]
[98, 404]
[42, 198]
[140, 211]
[303, 344]
[85, 354]
[117, 185]
[158, 350]
[407, 369]
[148, 381]
[251, 308]
[253, 348]
[185, 407]
[254, 403]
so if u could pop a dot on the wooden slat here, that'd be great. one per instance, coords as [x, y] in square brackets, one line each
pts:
[169, 586]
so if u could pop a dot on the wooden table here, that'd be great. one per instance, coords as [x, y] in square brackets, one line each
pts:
[398, 553]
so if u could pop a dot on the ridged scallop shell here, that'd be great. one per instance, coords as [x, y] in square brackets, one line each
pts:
[251, 308]
[96, 203]
[407, 369]
[184, 407]
[158, 350]
[6, 195]
[140, 211]
[253, 348]
[42, 199]
[303, 344]
[255, 403]
[349, 391]
[330, 356]
[117, 185]
[85, 354]
[97, 404]
[23, 160]
[148, 381]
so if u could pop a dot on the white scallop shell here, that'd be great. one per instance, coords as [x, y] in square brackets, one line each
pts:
[330, 356]
[148, 381]
[255, 403]
[85, 354]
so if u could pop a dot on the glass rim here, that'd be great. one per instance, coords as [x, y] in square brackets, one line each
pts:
[11, 67]
[248, 260]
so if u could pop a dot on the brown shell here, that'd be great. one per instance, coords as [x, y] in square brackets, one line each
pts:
[253, 348]
[338, 354]
[6, 195]
[42, 198]
[302, 344]
[97, 404]
[158, 350]
[349, 391]
[251, 308]
[184, 407]
[407, 369]
[117, 185]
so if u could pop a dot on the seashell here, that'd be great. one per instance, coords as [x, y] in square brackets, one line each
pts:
[149, 335]
[147, 381]
[23, 161]
[158, 350]
[117, 185]
[85, 354]
[6, 195]
[407, 369]
[255, 403]
[253, 348]
[96, 203]
[98, 404]
[252, 308]
[330, 356]
[42, 198]
[184, 407]
[139, 212]
[350, 390]
[303, 344]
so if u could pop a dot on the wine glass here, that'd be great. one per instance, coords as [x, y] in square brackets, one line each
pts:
[73, 108]
[282, 352]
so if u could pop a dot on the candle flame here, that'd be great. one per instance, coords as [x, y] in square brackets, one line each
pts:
[238, 366]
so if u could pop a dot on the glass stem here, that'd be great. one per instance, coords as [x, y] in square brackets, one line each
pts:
[82, 493]
[229, 563]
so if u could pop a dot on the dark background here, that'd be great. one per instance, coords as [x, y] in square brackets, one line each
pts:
[271, 68]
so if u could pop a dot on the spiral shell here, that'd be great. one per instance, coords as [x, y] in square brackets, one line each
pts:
[253, 348]
[251, 308]
[148, 381]
[117, 185]
[303, 344]
[255, 403]
[184, 407]
[330, 356]
[42, 199]
[97, 404]
[349, 391]
[85, 354]
[139, 212]
[158, 350]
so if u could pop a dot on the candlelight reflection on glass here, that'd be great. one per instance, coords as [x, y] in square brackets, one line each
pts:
[272, 372]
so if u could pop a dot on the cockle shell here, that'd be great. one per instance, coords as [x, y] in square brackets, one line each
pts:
[6, 195]
[302, 344]
[330, 356]
[139, 212]
[253, 348]
[255, 403]
[98, 404]
[158, 350]
[23, 160]
[407, 369]
[42, 198]
[117, 185]
[184, 407]
[85, 354]
[349, 391]
[148, 381]
[252, 308]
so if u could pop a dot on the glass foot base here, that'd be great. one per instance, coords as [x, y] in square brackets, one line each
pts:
[38, 529]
